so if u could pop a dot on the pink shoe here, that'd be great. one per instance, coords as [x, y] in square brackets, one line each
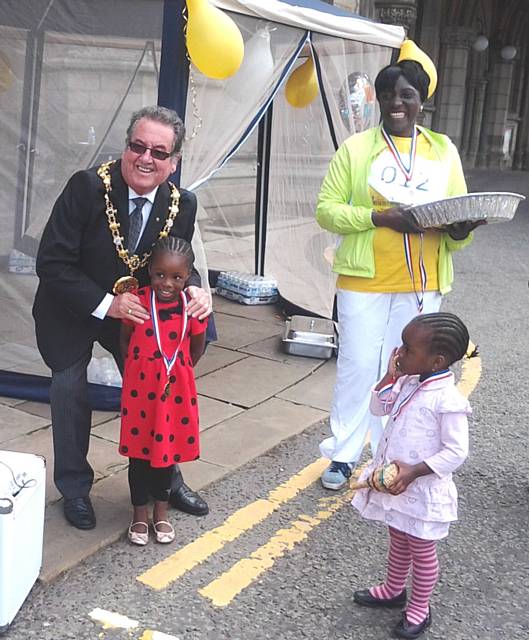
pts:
[163, 537]
[137, 537]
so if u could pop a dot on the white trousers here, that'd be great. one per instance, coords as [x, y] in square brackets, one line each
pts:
[370, 326]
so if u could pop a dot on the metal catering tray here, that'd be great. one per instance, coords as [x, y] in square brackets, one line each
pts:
[493, 206]
[310, 337]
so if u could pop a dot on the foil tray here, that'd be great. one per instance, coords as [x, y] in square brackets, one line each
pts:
[309, 337]
[493, 206]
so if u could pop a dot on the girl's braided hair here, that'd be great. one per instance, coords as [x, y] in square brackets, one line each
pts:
[449, 336]
[177, 246]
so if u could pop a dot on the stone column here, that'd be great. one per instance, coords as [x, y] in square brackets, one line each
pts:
[496, 111]
[476, 122]
[521, 152]
[451, 92]
[400, 12]
[364, 8]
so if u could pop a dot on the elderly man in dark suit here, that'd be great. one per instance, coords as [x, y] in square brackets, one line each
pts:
[93, 252]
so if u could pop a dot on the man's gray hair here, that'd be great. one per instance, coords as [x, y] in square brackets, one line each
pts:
[163, 115]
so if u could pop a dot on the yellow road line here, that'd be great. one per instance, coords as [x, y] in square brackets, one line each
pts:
[162, 574]
[470, 373]
[229, 584]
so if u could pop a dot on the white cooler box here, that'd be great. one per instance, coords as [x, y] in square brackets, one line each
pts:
[21, 528]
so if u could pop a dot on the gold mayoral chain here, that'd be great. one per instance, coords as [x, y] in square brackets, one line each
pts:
[133, 262]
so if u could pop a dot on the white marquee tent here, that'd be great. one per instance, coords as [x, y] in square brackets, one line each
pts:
[71, 73]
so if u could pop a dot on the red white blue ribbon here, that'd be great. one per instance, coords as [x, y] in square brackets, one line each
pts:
[169, 362]
[422, 269]
[398, 407]
[406, 170]
[408, 173]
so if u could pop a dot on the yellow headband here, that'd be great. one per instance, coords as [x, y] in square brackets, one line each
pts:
[410, 51]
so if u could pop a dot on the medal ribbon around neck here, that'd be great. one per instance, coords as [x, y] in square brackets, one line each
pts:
[407, 171]
[408, 174]
[440, 375]
[422, 269]
[169, 362]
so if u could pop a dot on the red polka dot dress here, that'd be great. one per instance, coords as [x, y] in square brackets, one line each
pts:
[155, 426]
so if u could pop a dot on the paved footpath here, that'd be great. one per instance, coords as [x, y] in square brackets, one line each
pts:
[252, 396]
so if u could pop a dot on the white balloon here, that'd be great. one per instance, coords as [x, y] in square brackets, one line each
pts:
[256, 69]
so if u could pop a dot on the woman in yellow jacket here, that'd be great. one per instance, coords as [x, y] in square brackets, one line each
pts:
[389, 269]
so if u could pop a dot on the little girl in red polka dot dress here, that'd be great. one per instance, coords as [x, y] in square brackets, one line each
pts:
[159, 409]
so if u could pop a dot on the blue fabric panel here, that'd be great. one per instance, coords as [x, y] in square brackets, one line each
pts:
[323, 7]
[174, 66]
[37, 388]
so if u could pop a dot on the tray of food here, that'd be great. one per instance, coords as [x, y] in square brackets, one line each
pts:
[310, 337]
[493, 206]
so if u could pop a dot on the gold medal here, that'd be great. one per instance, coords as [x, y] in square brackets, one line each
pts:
[167, 390]
[125, 284]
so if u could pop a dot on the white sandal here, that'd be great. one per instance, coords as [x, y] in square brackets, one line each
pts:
[137, 537]
[163, 537]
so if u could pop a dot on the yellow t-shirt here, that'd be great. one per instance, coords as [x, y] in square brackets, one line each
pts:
[391, 270]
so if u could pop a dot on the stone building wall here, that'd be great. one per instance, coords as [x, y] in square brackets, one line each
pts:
[482, 101]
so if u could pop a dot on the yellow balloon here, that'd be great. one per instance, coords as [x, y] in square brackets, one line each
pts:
[6, 75]
[410, 51]
[214, 42]
[302, 86]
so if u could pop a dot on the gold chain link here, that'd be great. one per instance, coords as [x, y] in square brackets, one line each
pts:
[133, 262]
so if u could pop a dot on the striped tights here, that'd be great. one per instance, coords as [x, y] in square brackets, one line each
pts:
[404, 551]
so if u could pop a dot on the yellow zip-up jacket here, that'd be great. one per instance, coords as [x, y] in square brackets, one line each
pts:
[345, 205]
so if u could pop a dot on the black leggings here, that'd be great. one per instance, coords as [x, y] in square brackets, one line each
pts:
[146, 481]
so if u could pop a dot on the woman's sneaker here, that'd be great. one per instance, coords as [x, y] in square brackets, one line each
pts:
[336, 475]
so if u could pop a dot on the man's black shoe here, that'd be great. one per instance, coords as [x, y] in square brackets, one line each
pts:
[410, 631]
[365, 598]
[79, 512]
[187, 500]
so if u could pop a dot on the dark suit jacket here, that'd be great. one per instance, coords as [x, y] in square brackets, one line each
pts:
[77, 262]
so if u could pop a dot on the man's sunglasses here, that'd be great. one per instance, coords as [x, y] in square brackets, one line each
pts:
[140, 149]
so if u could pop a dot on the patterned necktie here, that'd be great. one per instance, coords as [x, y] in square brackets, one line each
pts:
[135, 223]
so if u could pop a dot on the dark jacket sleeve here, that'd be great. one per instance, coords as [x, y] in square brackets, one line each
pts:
[188, 205]
[59, 259]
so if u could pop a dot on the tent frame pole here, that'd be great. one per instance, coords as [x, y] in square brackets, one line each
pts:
[174, 64]
[262, 187]
[28, 138]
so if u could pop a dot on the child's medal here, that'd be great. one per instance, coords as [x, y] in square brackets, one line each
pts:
[169, 363]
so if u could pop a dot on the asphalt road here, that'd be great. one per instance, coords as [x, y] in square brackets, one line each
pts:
[483, 592]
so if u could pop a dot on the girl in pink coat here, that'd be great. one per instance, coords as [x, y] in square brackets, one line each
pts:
[427, 437]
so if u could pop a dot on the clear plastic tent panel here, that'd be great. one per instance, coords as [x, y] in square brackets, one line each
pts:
[219, 114]
[226, 214]
[84, 109]
[72, 72]
[220, 111]
[299, 253]
[69, 80]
